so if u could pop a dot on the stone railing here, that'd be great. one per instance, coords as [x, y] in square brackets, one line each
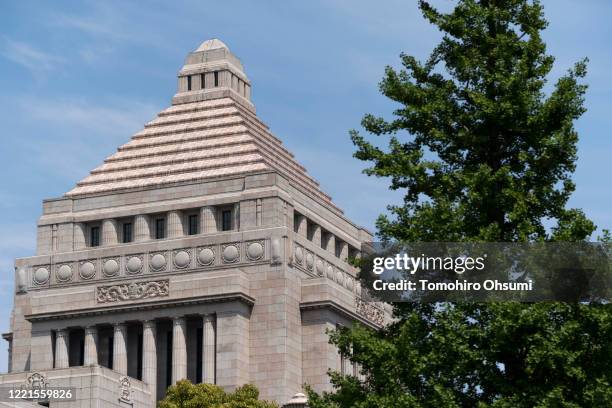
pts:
[319, 263]
[145, 263]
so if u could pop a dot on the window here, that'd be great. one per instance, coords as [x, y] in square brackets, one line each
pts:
[189, 83]
[296, 221]
[127, 232]
[160, 228]
[216, 78]
[94, 236]
[202, 81]
[192, 225]
[226, 220]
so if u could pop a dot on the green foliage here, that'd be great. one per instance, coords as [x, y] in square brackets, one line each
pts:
[483, 153]
[184, 394]
[466, 355]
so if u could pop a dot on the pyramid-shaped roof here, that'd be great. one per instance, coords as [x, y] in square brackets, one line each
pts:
[210, 132]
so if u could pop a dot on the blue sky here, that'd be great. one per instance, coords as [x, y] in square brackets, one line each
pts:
[77, 78]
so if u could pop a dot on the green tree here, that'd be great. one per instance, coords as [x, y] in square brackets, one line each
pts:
[483, 153]
[184, 394]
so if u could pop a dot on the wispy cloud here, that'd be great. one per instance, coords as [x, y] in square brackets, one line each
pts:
[123, 117]
[78, 134]
[117, 24]
[28, 56]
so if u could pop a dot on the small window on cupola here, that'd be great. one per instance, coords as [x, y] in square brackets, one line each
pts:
[216, 78]
[202, 81]
[189, 83]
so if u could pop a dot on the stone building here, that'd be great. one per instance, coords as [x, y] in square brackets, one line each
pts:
[201, 249]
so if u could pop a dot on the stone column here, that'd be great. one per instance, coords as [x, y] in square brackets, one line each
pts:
[91, 346]
[316, 235]
[61, 349]
[301, 226]
[109, 232]
[208, 349]
[79, 236]
[236, 220]
[343, 253]
[142, 231]
[208, 220]
[119, 349]
[149, 357]
[330, 244]
[175, 224]
[179, 350]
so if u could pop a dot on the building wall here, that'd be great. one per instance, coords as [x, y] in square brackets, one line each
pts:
[278, 341]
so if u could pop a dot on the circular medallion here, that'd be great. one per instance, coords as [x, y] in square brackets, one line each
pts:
[320, 267]
[134, 264]
[111, 267]
[299, 254]
[309, 261]
[206, 256]
[330, 272]
[182, 259]
[255, 251]
[41, 276]
[230, 253]
[64, 273]
[339, 277]
[158, 261]
[87, 270]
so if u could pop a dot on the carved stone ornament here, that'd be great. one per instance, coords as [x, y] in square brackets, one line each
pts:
[134, 264]
[206, 256]
[230, 253]
[299, 255]
[255, 250]
[132, 291]
[87, 269]
[182, 258]
[157, 262]
[36, 381]
[125, 389]
[41, 275]
[370, 311]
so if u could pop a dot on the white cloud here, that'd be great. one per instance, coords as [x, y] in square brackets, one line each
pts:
[26, 55]
[79, 134]
[123, 117]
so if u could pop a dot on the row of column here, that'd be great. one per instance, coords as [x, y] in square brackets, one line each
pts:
[324, 239]
[144, 227]
[149, 350]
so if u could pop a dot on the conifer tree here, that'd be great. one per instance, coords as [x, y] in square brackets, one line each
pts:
[484, 152]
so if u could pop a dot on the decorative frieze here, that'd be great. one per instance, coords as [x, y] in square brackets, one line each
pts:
[132, 291]
[370, 311]
[125, 390]
[77, 271]
[36, 381]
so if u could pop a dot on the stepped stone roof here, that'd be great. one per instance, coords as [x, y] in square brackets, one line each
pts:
[211, 131]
